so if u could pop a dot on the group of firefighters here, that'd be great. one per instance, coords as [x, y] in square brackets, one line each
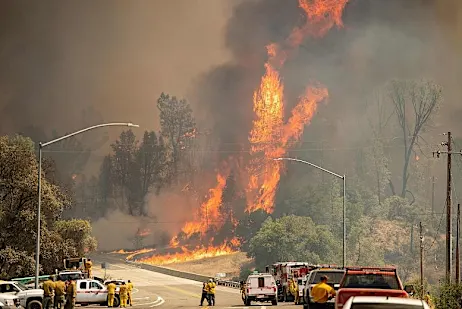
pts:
[208, 292]
[125, 294]
[58, 294]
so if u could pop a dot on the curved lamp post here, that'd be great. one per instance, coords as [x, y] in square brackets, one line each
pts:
[41, 145]
[344, 197]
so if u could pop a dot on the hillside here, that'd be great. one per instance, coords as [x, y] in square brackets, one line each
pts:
[229, 264]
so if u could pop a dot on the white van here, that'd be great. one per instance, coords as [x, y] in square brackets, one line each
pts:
[261, 288]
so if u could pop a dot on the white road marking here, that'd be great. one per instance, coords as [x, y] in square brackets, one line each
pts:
[141, 298]
[159, 302]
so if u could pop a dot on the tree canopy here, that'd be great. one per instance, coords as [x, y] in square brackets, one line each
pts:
[18, 214]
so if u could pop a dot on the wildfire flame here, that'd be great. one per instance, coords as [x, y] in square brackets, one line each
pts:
[209, 212]
[270, 137]
[187, 255]
[131, 254]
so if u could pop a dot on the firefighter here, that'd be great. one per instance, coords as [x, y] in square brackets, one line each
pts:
[48, 293]
[88, 266]
[297, 293]
[130, 289]
[123, 293]
[204, 294]
[111, 287]
[242, 287]
[429, 300]
[71, 293]
[321, 293]
[60, 292]
[211, 292]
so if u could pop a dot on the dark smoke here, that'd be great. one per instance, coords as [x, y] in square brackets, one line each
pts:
[57, 58]
[381, 40]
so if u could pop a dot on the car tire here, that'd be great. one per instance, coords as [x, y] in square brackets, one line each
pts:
[116, 301]
[274, 302]
[34, 304]
[247, 302]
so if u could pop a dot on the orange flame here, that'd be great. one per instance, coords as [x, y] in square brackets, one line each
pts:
[209, 212]
[270, 138]
[131, 254]
[189, 255]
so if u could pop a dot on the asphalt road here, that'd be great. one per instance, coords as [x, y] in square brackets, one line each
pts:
[155, 290]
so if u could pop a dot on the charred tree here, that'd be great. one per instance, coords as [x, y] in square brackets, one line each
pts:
[414, 104]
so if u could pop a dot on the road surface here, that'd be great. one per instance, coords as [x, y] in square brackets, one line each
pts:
[155, 290]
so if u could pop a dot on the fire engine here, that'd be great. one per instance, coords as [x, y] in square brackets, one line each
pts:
[284, 271]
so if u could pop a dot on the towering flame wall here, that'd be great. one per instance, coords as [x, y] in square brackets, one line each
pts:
[270, 137]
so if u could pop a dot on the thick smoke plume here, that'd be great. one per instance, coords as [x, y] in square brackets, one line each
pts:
[167, 213]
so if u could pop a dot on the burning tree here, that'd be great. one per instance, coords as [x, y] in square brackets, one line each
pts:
[271, 136]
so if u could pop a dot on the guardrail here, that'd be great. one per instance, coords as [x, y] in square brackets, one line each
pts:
[182, 274]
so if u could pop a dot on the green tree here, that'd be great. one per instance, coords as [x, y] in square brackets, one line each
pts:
[148, 171]
[18, 220]
[123, 160]
[293, 238]
[178, 127]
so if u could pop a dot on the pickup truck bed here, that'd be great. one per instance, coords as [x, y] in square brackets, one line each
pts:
[368, 281]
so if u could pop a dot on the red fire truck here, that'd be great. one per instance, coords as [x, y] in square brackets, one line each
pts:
[284, 271]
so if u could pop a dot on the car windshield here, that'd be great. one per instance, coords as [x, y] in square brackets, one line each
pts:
[371, 281]
[385, 306]
[22, 286]
[334, 276]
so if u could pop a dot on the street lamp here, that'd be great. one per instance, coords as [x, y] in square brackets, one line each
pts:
[344, 197]
[41, 145]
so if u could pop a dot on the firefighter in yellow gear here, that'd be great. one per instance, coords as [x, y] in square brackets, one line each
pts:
[71, 293]
[293, 288]
[48, 293]
[111, 287]
[60, 293]
[211, 292]
[429, 300]
[88, 268]
[321, 293]
[123, 293]
[130, 290]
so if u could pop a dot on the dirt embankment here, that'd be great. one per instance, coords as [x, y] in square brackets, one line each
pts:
[229, 264]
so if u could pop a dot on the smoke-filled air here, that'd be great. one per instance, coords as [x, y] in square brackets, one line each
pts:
[221, 90]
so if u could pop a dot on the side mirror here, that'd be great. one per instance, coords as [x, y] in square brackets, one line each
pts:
[409, 288]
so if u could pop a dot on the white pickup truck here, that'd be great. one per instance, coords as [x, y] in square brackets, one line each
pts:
[28, 298]
[93, 292]
[260, 288]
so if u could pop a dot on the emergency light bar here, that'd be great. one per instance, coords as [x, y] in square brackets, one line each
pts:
[371, 269]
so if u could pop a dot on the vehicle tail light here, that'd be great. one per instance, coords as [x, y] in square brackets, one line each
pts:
[248, 290]
[274, 289]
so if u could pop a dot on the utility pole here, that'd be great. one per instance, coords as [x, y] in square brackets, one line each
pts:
[449, 152]
[421, 261]
[448, 212]
[457, 245]
[433, 195]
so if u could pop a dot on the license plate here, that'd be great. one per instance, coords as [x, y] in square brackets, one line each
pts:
[261, 296]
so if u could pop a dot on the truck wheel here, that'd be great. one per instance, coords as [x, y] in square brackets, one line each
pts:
[116, 301]
[247, 302]
[34, 304]
[274, 302]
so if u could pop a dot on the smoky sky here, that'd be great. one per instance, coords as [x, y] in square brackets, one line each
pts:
[381, 40]
[58, 58]
[117, 56]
